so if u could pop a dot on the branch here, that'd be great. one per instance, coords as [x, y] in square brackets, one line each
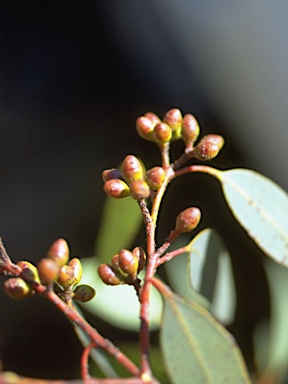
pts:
[13, 378]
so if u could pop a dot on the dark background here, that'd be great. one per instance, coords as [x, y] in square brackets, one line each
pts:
[74, 76]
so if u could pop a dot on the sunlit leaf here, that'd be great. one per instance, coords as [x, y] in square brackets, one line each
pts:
[177, 271]
[273, 359]
[121, 220]
[261, 207]
[117, 305]
[211, 274]
[196, 348]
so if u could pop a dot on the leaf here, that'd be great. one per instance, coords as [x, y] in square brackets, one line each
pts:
[261, 207]
[121, 220]
[177, 270]
[195, 347]
[117, 305]
[276, 347]
[211, 274]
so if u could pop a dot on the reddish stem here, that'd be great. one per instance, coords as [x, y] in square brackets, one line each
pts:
[9, 268]
[84, 361]
[170, 255]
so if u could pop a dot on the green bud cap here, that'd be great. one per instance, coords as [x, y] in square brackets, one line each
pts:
[155, 177]
[48, 270]
[110, 174]
[59, 252]
[17, 288]
[128, 263]
[132, 169]
[116, 188]
[208, 147]
[190, 130]
[162, 133]
[173, 118]
[84, 293]
[29, 269]
[139, 190]
[188, 220]
[145, 127]
[109, 275]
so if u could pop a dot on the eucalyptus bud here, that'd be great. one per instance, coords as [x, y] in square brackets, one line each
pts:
[173, 118]
[70, 274]
[48, 270]
[141, 257]
[116, 188]
[139, 190]
[109, 275]
[132, 169]
[30, 270]
[17, 288]
[145, 127]
[208, 147]
[128, 263]
[155, 177]
[59, 252]
[110, 174]
[162, 133]
[190, 130]
[153, 117]
[188, 220]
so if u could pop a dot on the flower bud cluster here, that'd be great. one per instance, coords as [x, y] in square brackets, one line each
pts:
[54, 271]
[132, 179]
[124, 267]
[174, 126]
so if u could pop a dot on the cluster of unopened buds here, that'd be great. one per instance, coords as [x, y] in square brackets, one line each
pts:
[56, 272]
[132, 179]
[124, 267]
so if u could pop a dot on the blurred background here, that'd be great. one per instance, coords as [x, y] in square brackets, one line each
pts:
[74, 76]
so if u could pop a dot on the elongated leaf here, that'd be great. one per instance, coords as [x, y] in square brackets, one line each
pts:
[196, 348]
[178, 272]
[272, 348]
[117, 305]
[121, 220]
[261, 207]
[211, 274]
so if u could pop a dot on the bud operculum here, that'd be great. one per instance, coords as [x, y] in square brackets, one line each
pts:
[17, 288]
[188, 220]
[48, 270]
[109, 275]
[59, 252]
[208, 147]
[155, 177]
[116, 188]
[128, 263]
[139, 190]
[132, 169]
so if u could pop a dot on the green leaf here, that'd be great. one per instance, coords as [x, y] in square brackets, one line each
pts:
[121, 220]
[196, 348]
[211, 274]
[272, 347]
[117, 305]
[261, 207]
[177, 271]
